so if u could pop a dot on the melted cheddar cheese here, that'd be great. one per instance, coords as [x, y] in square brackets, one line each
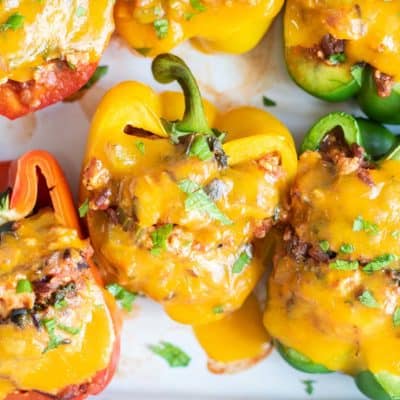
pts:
[347, 315]
[72, 30]
[28, 362]
[214, 25]
[371, 29]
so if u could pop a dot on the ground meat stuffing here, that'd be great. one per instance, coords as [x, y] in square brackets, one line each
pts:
[330, 45]
[384, 83]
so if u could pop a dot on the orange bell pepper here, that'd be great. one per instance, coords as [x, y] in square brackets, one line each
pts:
[31, 184]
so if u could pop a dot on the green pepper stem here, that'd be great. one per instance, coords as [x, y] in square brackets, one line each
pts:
[167, 68]
[323, 126]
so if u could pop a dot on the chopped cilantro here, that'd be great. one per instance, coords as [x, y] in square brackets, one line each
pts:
[396, 317]
[324, 245]
[308, 386]
[24, 286]
[218, 310]
[346, 248]
[243, 260]
[343, 265]
[161, 27]
[197, 5]
[13, 22]
[140, 146]
[173, 355]
[380, 262]
[60, 304]
[359, 224]
[84, 208]
[159, 238]
[368, 299]
[55, 341]
[197, 199]
[69, 329]
[268, 102]
[124, 298]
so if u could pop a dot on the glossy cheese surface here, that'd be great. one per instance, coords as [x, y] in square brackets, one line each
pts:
[311, 302]
[214, 25]
[72, 30]
[26, 361]
[371, 29]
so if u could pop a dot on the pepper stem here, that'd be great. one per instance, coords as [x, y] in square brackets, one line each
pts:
[167, 68]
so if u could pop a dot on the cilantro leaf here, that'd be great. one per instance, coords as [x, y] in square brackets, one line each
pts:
[161, 27]
[197, 5]
[197, 199]
[368, 299]
[324, 245]
[124, 298]
[243, 260]
[140, 146]
[54, 341]
[159, 238]
[360, 224]
[309, 386]
[396, 317]
[83, 208]
[173, 355]
[13, 22]
[268, 102]
[346, 248]
[69, 329]
[343, 265]
[218, 310]
[380, 262]
[24, 286]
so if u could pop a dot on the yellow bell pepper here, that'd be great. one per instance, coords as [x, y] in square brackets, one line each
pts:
[153, 27]
[175, 212]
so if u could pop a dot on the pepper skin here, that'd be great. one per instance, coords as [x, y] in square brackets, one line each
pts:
[49, 50]
[335, 270]
[338, 49]
[154, 27]
[59, 329]
[193, 250]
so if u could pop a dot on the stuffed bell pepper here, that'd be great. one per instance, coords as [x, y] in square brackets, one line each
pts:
[334, 295]
[176, 209]
[154, 27]
[49, 50]
[337, 49]
[59, 330]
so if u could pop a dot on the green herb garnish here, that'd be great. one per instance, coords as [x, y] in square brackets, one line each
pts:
[14, 22]
[380, 262]
[360, 224]
[243, 260]
[218, 310]
[161, 26]
[268, 102]
[198, 200]
[197, 5]
[55, 341]
[124, 298]
[309, 386]
[173, 355]
[159, 238]
[343, 265]
[346, 248]
[140, 146]
[24, 286]
[337, 58]
[69, 329]
[368, 299]
[83, 208]
[324, 245]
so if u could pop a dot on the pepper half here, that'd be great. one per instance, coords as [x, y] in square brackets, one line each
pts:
[336, 51]
[335, 270]
[168, 213]
[59, 329]
[49, 50]
[154, 27]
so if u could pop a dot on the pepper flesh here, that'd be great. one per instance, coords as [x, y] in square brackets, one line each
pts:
[368, 34]
[51, 51]
[218, 27]
[323, 271]
[200, 252]
[49, 234]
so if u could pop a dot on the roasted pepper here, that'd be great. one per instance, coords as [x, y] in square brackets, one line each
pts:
[49, 49]
[339, 49]
[177, 209]
[59, 330]
[335, 273]
[153, 27]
